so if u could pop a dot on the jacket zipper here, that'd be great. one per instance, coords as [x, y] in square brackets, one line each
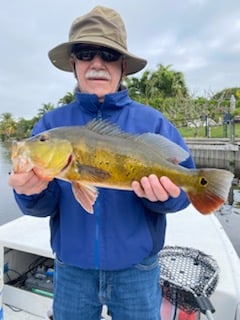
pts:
[97, 209]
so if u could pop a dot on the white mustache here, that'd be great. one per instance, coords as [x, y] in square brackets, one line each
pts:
[97, 74]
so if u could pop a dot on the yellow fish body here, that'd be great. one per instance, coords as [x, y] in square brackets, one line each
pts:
[100, 155]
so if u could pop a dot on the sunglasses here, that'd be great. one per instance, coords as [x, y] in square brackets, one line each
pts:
[87, 53]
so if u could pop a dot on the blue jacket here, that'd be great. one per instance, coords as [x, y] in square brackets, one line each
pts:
[124, 229]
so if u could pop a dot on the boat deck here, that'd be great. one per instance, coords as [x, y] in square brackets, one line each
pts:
[10, 313]
[186, 228]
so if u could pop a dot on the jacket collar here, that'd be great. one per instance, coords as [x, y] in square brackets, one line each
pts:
[111, 101]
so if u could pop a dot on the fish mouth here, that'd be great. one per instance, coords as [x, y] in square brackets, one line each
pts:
[20, 157]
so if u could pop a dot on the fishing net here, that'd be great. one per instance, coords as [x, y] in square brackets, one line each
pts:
[188, 278]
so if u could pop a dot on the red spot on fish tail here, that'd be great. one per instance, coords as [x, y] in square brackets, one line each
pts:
[206, 202]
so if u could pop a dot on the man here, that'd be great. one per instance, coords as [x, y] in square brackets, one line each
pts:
[109, 257]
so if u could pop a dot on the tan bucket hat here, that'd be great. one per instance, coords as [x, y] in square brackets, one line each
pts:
[101, 26]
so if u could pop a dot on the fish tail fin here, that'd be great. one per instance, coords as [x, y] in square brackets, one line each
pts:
[212, 189]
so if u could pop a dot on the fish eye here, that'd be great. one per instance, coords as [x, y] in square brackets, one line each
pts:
[43, 137]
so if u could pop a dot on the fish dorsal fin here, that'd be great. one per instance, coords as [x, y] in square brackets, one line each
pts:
[164, 147]
[103, 127]
[168, 149]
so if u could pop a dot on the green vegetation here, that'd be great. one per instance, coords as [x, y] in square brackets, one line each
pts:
[165, 90]
[21, 128]
[215, 131]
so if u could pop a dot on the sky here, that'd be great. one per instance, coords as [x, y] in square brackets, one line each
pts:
[200, 38]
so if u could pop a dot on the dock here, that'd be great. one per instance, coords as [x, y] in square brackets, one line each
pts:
[216, 153]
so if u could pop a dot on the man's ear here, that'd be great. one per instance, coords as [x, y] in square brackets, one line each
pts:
[124, 68]
[73, 65]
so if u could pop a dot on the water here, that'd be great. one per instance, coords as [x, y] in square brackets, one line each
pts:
[8, 207]
[229, 217]
[236, 201]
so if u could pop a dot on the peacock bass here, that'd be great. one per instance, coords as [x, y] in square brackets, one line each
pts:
[100, 155]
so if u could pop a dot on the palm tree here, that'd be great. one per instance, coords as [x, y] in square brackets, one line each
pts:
[168, 82]
[162, 83]
[45, 108]
[69, 97]
[7, 126]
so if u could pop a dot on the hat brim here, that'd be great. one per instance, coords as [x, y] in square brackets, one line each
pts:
[59, 56]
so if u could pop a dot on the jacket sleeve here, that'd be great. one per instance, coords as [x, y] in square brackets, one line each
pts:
[40, 205]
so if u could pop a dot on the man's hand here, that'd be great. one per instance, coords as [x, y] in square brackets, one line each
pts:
[155, 189]
[27, 183]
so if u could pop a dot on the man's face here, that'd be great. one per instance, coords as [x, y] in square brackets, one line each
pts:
[98, 70]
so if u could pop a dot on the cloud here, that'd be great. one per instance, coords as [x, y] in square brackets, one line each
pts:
[197, 37]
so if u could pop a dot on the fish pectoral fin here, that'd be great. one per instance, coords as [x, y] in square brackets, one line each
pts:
[85, 194]
[91, 173]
